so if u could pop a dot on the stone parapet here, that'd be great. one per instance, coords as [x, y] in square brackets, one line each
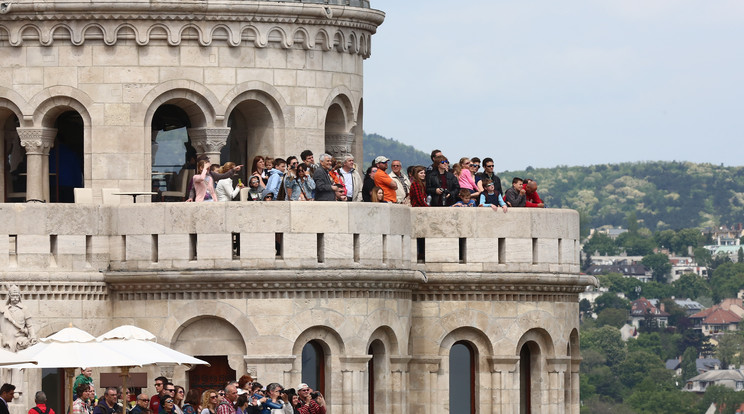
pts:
[245, 236]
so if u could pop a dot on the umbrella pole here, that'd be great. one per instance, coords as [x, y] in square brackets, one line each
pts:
[124, 389]
[69, 377]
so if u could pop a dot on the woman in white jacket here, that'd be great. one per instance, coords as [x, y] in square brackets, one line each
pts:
[224, 189]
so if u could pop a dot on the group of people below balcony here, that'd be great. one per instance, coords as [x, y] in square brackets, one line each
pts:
[293, 179]
[244, 396]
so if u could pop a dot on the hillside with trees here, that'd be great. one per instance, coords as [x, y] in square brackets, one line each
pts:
[663, 195]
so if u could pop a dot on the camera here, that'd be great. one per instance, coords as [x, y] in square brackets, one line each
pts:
[314, 395]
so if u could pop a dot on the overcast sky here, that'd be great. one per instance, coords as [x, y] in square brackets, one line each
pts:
[546, 83]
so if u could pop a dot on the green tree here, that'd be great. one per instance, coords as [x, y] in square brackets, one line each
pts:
[730, 349]
[685, 239]
[659, 265]
[656, 290]
[690, 285]
[689, 367]
[610, 300]
[632, 220]
[726, 399]
[612, 317]
[585, 306]
[607, 340]
[740, 255]
[664, 238]
[636, 366]
[726, 281]
[602, 243]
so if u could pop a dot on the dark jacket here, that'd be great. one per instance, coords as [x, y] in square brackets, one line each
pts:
[514, 199]
[103, 408]
[323, 185]
[453, 187]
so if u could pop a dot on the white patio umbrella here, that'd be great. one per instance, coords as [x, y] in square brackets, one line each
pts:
[73, 348]
[11, 358]
[140, 345]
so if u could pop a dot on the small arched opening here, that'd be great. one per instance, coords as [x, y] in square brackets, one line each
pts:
[66, 165]
[173, 156]
[376, 377]
[529, 378]
[314, 366]
[462, 375]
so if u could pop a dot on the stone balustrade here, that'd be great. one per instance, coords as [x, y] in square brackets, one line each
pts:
[286, 235]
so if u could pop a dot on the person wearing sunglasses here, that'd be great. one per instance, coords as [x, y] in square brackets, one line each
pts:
[441, 184]
[209, 402]
[167, 405]
[488, 173]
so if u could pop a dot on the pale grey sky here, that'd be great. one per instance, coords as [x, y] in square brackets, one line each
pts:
[547, 83]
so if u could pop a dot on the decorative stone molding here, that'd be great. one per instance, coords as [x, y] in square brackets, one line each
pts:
[84, 290]
[208, 140]
[264, 24]
[37, 141]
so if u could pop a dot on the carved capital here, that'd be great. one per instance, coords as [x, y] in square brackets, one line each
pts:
[208, 140]
[339, 145]
[37, 140]
[503, 364]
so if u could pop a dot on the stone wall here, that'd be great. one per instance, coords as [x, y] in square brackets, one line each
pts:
[349, 276]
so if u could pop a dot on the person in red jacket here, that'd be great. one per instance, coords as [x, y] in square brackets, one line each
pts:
[533, 199]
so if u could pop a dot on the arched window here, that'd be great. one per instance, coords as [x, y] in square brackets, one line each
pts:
[66, 158]
[529, 371]
[313, 366]
[462, 378]
[171, 150]
[377, 378]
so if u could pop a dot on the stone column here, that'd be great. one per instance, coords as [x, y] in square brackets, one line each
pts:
[399, 384]
[339, 144]
[556, 372]
[426, 369]
[209, 141]
[37, 142]
[353, 370]
[504, 385]
[575, 390]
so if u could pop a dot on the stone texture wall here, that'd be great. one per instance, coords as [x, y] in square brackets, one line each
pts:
[131, 264]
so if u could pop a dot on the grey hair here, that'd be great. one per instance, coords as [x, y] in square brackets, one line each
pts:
[324, 157]
[40, 397]
[273, 386]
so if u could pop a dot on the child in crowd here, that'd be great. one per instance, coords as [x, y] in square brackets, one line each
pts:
[465, 200]
[489, 197]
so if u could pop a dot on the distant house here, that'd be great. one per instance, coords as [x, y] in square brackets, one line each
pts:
[637, 271]
[707, 364]
[690, 306]
[715, 320]
[642, 309]
[674, 365]
[731, 378]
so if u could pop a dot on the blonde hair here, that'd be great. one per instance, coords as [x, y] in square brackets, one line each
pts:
[457, 169]
[227, 167]
[205, 401]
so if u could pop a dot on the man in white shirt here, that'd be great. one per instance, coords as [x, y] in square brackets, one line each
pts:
[352, 179]
[403, 184]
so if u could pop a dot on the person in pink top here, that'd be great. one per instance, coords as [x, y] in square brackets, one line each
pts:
[465, 178]
[203, 183]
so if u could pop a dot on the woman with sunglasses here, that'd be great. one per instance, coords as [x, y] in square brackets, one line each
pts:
[441, 184]
[167, 404]
[209, 402]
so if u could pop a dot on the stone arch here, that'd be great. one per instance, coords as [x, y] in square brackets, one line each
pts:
[178, 320]
[301, 36]
[282, 38]
[194, 98]
[12, 101]
[333, 348]
[475, 336]
[539, 336]
[223, 30]
[573, 344]
[339, 41]
[60, 28]
[250, 33]
[159, 29]
[58, 101]
[323, 39]
[357, 145]
[121, 32]
[96, 32]
[256, 117]
[182, 34]
[386, 335]
[36, 35]
[338, 122]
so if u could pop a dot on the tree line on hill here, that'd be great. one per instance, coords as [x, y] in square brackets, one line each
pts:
[664, 195]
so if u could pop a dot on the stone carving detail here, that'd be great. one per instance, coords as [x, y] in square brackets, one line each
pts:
[208, 140]
[37, 140]
[339, 145]
[310, 30]
[16, 327]
[68, 291]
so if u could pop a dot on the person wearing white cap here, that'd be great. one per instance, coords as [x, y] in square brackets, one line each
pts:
[383, 180]
[308, 405]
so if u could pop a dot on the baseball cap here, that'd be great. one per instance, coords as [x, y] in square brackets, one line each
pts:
[381, 158]
[302, 386]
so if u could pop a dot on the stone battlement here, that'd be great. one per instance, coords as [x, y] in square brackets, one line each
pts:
[286, 235]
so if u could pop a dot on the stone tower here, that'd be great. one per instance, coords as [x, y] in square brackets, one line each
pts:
[384, 308]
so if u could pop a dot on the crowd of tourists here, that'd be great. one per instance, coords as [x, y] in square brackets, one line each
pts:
[460, 184]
